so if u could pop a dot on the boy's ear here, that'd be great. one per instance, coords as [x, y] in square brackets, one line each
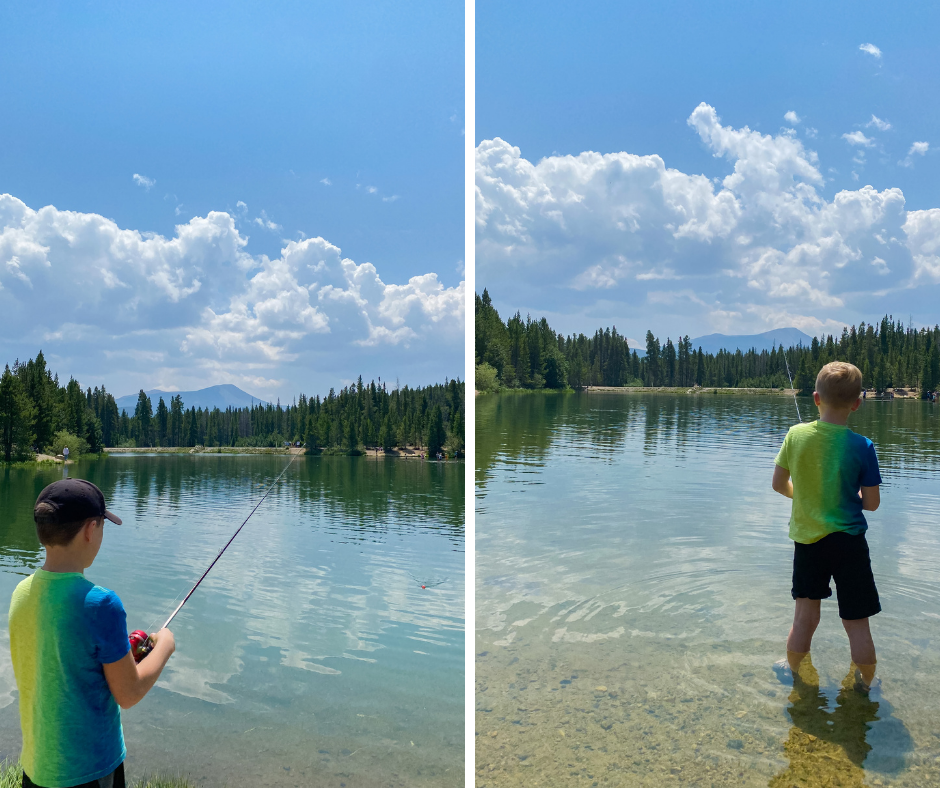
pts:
[816, 398]
[89, 526]
[854, 408]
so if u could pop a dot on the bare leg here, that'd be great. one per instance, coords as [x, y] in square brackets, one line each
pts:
[805, 621]
[862, 647]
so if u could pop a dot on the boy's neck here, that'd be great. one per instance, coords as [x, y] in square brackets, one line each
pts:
[839, 416]
[58, 560]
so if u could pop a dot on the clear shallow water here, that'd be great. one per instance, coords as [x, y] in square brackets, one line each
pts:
[310, 655]
[632, 593]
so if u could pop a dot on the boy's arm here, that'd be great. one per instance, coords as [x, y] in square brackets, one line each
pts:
[130, 681]
[781, 482]
[871, 498]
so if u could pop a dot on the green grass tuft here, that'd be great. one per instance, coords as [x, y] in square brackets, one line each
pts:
[11, 776]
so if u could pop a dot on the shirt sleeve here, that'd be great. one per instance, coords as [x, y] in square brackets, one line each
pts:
[782, 455]
[871, 474]
[107, 622]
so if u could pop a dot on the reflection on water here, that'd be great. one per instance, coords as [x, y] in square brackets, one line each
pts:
[310, 654]
[829, 746]
[633, 577]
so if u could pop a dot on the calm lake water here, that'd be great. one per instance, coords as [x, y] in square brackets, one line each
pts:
[310, 655]
[633, 592]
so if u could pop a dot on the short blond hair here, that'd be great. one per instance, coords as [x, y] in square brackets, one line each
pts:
[839, 384]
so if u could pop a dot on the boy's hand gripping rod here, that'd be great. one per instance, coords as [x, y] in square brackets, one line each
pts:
[141, 642]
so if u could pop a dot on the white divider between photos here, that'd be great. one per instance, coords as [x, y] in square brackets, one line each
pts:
[469, 356]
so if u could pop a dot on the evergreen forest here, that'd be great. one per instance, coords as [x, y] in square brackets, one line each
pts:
[37, 413]
[525, 353]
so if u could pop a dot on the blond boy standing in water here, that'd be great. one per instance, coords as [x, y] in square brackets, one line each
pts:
[831, 474]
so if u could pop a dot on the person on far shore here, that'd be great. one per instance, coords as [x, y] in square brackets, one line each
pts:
[70, 651]
[831, 474]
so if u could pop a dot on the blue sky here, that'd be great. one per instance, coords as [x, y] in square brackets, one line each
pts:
[296, 120]
[556, 80]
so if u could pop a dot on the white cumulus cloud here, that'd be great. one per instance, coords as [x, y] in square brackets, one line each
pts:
[266, 223]
[72, 282]
[612, 233]
[917, 149]
[878, 123]
[144, 181]
[871, 49]
[792, 118]
[858, 138]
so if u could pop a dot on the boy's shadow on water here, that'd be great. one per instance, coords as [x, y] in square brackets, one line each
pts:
[830, 747]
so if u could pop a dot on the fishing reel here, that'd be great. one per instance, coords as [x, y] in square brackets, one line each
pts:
[141, 644]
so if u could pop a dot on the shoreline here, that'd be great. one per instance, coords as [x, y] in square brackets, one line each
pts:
[372, 453]
[407, 453]
[890, 394]
[695, 390]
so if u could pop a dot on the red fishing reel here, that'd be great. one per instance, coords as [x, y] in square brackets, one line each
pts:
[141, 644]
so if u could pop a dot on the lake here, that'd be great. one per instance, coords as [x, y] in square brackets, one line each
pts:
[310, 655]
[633, 592]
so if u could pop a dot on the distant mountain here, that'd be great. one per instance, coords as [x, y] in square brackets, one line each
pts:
[220, 397]
[788, 337]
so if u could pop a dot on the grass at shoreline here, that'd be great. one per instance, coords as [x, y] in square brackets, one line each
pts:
[11, 776]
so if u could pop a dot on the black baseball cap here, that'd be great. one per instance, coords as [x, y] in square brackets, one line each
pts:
[75, 500]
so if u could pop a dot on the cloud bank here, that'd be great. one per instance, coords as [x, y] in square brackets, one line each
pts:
[623, 235]
[198, 308]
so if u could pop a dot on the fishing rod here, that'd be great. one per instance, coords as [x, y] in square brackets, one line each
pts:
[141, 642]
[791, 387]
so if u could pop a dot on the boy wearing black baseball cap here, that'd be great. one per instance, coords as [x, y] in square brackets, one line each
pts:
[70, 650]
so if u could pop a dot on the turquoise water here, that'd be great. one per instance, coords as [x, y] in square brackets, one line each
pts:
[632, 593]
[310, 655]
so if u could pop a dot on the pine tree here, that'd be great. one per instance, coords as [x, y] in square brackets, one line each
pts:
[930, 377]
[16, 418]
[652, 360]
[436, 434]
[93, 434]
[804, 382]
[143, 417]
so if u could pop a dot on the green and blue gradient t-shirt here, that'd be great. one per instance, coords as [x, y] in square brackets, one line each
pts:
[63, 628]
[828, 463]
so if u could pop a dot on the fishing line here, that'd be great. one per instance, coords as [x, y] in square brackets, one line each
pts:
[791, 387]
[429, 583]
[232, 539]
[225, 547]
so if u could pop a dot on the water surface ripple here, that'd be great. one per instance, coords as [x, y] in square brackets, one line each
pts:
[633, 578]
[310, 655]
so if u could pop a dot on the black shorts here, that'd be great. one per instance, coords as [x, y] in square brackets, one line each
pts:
[113, 780]
[844, 558]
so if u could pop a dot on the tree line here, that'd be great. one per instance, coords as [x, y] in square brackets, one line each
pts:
[529, 354]
[37, 413]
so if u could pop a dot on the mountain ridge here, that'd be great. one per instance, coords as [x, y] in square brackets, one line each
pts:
[785, 337]
[221, 396]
